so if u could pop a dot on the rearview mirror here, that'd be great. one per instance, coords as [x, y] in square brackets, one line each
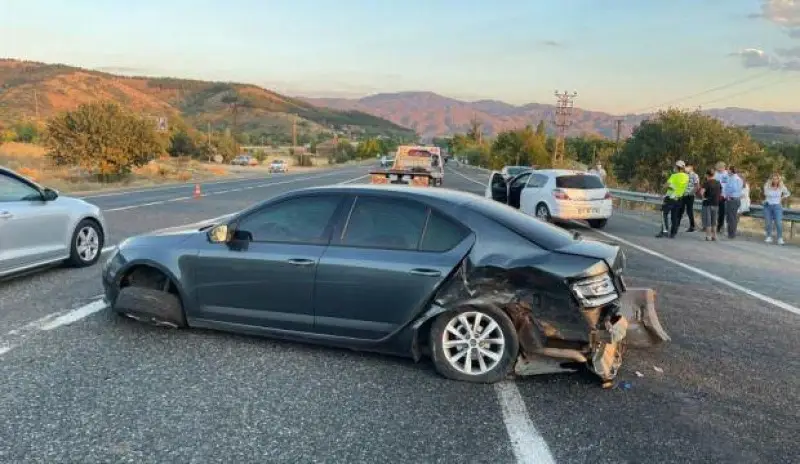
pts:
[49, 194]
[218, 234]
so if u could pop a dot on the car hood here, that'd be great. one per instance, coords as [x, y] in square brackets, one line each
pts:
[613, 255]
[165, 237]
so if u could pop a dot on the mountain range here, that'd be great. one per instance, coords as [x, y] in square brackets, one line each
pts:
[432, 115]
[37, 91]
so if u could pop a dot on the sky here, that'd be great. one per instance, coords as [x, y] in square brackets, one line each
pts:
[620, 56]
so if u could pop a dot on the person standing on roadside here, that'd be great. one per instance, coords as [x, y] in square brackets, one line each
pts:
[711, 191]
[732, 191]
[671, 208]
[775, 192]
[722, 177]
[687, 202]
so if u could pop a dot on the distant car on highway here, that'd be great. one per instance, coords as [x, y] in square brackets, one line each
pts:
[245, 160]
[386, 161]
[278, 166]
[554, 194]
[38, 227]
[480, 288]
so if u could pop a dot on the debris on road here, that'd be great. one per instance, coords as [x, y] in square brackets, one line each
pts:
[658, 369]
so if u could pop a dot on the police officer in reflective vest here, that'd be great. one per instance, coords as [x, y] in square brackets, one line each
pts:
[671, 209]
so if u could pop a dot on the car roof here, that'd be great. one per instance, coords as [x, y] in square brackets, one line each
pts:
[559, 172]
[455, 197]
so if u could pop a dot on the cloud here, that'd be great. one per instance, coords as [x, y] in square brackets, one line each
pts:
[793, 52]
[785, 13]
[754, 58]
[551, 43]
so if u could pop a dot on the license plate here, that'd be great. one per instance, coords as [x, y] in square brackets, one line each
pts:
[392, 176]
[589, 210]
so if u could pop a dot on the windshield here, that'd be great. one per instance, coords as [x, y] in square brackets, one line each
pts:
[579, 181]
[514, 170]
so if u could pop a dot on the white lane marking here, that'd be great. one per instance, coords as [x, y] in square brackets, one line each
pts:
[469, 179]
[353, 180]
[759, 296]
[220, 192]
[75, 315]
[5, 349]
[526, 442]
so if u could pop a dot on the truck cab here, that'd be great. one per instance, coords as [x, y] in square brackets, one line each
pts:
[413, 165]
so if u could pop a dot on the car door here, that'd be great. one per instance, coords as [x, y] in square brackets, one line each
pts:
[31, 229]
[265, 275]
[515, 187]
[497, 188]
[384, 265]
[531, 194]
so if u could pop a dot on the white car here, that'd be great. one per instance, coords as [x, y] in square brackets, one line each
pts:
[39, 227]
[554, 194]
[510, 171]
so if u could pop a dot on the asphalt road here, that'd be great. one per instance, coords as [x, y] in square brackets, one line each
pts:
[85, 386]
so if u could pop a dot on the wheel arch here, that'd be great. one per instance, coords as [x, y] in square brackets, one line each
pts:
[145, 264]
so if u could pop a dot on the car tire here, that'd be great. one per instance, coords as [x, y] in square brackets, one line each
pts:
[151, 306]
[86, 244]
[483, 369]
[543, 212]
[597, 223]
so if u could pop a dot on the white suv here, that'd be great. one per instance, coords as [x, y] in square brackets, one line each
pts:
[554, 194]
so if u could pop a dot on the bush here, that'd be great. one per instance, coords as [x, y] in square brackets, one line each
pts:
[103, 139]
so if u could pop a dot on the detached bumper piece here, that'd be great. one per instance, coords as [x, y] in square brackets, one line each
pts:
[635, 324]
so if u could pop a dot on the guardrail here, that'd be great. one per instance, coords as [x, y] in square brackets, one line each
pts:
[792, 216]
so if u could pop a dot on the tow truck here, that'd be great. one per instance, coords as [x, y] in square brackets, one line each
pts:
[413, 165]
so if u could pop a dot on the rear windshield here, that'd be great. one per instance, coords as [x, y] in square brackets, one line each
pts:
[579, 181]
[544, 234]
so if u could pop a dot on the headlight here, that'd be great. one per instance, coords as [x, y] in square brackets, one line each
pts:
[595, 291]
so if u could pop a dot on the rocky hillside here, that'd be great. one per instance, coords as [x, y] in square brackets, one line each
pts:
[431, 114]
[38, 91]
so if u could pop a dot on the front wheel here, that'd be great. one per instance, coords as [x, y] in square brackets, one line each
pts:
[87, 244]
[597, 223]
[474, 345]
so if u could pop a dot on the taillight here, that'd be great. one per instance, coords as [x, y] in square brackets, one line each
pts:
[560, 195]
[608, 196]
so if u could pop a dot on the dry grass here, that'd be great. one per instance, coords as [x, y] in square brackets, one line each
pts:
[30, 161]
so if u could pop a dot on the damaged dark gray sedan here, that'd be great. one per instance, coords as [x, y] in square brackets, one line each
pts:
[482, 289]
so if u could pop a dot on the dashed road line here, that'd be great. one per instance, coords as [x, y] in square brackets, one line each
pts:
[526, 442]
[220, 192]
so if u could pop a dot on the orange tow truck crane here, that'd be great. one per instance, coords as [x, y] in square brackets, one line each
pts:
[413, 165]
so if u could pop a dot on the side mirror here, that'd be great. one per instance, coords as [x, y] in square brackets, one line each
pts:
[218, 234]
[49, 194]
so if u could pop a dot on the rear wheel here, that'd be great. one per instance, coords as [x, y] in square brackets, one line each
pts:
[543, 212]
[597, 223]
[87, 244]
[474, 344]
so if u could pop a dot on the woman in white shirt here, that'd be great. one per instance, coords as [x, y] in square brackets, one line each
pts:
[744, 206]
[774, 193]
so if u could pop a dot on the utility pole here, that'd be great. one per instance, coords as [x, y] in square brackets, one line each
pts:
[619, 129]
[36, 103]
[294, 132]
[563, 121]
[208, 132]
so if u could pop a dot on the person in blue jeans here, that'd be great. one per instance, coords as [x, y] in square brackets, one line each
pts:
[775, 192]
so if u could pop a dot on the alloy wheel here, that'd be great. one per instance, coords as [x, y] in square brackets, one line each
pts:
[87, 243]
[473, 343]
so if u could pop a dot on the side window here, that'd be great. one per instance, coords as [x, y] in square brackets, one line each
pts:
[442, 234]
[299, 220]
[12, 189]
[382, 223]
[520, 181]
[535, 181]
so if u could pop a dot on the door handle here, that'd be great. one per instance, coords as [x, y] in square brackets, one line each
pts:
[426, 272]
[5, 215]
[301, 261]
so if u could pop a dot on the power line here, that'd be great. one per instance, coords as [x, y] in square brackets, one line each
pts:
[704, 92]
[781, 80]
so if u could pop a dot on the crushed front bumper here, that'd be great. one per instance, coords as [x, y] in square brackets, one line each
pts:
[632, 323]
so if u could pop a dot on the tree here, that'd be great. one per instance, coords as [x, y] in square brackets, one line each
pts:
[182, 144]
[475, 132]
[26, 132]
[103, 139]
[519, 147]
[655, 145]
[369, 148]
